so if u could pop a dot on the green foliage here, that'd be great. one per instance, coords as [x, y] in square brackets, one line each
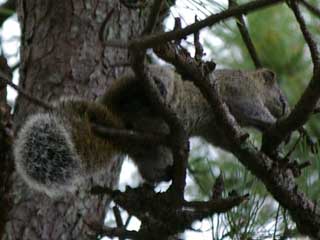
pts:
[6, 12]
[280, 47]
[279, 44]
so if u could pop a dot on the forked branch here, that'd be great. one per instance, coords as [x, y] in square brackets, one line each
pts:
[308, 101]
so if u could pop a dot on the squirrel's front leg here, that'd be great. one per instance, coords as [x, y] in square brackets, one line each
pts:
[127, 99]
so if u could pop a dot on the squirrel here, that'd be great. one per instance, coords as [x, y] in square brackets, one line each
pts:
[56, 150]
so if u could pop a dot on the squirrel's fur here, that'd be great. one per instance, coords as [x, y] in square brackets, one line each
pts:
[57, 149]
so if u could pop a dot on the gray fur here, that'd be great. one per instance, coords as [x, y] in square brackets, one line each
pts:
[57, 150]
[51, 156]
[253, 97]
[45, 156]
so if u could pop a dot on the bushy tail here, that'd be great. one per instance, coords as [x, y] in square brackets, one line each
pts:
[44, 155]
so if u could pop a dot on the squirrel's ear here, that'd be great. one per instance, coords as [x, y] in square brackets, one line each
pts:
[268, 76]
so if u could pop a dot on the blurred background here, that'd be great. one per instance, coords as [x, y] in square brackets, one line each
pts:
[281, 47]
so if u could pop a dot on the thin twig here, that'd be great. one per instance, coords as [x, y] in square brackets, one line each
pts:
[312, 44]
[153, 40]
[311, 8]
[197, 45]
[125, 136]
[117, 216]
[293, 147]
[307, 103]
[126, 224]
[34, 100]
[98, 190]
[153, 17]
[246, 37]
[276, 223]
[218, 187]
[304, 164]
[216, 205]
[113, 232]
[160, 38]
[177, 25]
[15, 67]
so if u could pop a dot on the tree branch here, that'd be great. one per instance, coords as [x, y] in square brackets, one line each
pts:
[164, 218]
[34, 100]
[160, 38]
[311, 8]
[113, 232]
[198, 73]
[153, 17]
[178, 138]
[153, 40]
[246, 37]
[117, 216]
[216, 205]
[125, 136]
[308, 101]
[278, 179]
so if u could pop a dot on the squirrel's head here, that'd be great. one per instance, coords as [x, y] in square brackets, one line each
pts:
[154, 163]
[271, 94]
[253, 97]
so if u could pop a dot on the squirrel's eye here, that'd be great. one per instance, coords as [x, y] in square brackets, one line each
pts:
[161, 87]
[269, 76]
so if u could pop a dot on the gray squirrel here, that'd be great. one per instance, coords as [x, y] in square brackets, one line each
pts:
[56, 150]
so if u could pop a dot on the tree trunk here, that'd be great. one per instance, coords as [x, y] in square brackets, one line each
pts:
[62, 55]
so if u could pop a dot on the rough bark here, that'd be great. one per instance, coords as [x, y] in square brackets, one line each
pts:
[62, 55]
[6, 165]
